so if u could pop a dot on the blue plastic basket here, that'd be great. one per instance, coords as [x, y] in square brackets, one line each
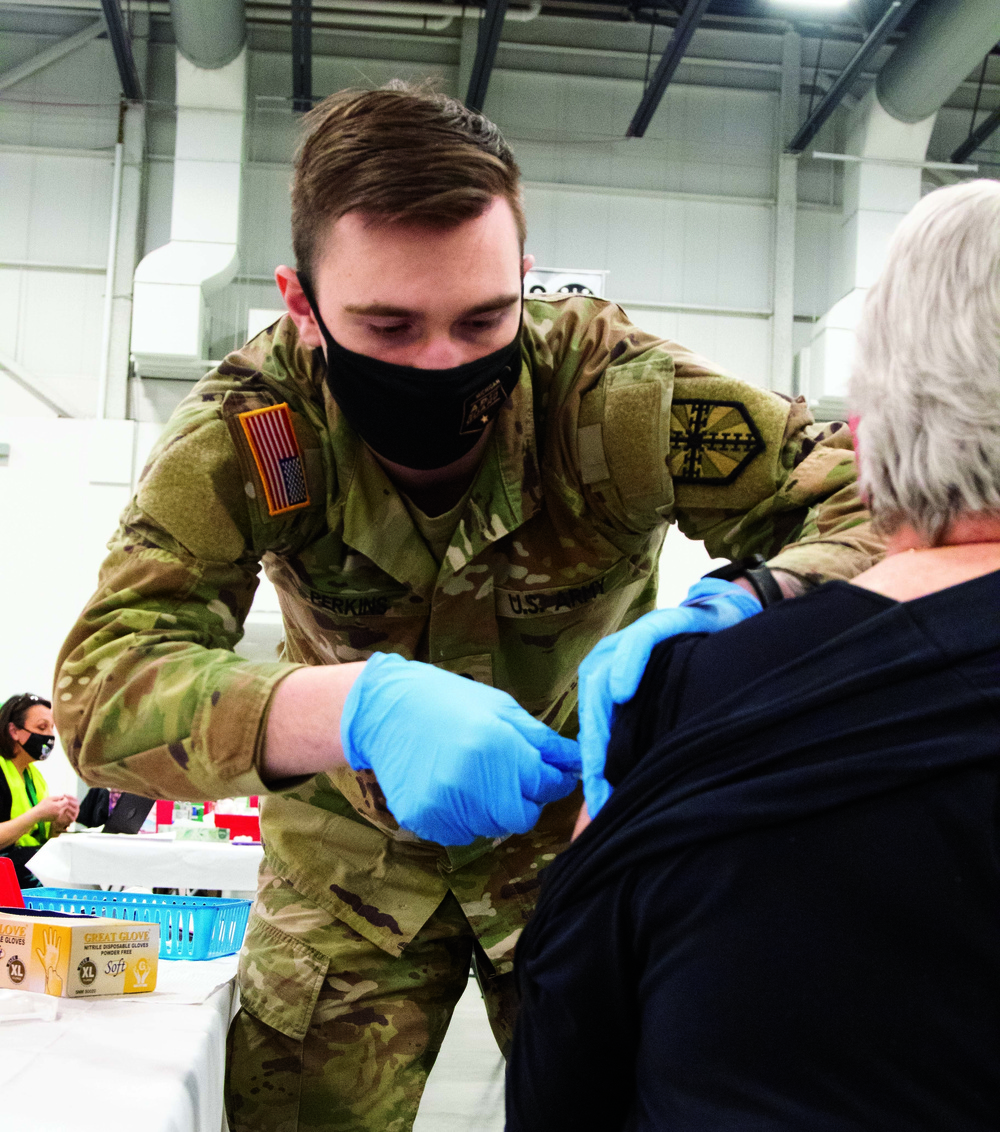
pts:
[191, 927]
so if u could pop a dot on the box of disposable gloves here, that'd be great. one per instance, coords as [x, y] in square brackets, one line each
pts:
[77, 956]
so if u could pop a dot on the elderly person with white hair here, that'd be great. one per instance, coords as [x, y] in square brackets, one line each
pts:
[787, 916]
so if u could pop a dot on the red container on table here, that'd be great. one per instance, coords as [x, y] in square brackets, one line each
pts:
[10, 890]
[239, 825]
[164, 813]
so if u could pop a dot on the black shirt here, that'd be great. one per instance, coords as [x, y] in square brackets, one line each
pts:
[5, 799]
[787, 917]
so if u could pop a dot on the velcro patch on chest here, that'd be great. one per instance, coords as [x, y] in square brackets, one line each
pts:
[278, 457]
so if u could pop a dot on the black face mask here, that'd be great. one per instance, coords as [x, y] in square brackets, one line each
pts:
[419, 418]
[39, 746]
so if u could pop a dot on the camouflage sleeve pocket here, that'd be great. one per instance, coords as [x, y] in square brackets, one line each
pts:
[280, 978]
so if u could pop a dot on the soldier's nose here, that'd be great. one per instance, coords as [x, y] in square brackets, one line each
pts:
[439, 353]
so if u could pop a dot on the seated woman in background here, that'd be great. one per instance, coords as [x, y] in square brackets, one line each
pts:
[28, 816]
[787, 916]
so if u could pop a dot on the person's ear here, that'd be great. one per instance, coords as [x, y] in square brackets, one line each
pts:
[527, 263]
[298, 306]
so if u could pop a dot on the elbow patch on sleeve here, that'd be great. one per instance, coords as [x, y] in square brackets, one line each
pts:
[193, 491]
[726, 440]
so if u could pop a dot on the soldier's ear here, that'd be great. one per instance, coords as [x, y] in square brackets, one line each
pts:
[298, 306]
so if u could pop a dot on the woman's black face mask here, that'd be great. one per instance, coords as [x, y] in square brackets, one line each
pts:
[39, 747]
[419, 418]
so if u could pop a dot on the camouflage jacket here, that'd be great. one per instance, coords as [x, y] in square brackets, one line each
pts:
[610, 435]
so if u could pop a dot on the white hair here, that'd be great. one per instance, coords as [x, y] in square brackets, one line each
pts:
[926, 376]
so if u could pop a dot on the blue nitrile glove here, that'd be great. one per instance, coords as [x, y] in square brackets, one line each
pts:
[456, 760]
[610, 674]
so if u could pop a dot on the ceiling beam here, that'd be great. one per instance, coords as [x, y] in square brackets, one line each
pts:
[978, 136]
[51, 54]
[121, 44]
[490, 29]
[672, 55]
[302, 96]
[891, 19]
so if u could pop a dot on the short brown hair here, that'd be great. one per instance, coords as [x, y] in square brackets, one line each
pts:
[400, 154]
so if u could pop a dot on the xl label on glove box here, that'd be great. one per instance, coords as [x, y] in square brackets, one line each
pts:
[77, 956]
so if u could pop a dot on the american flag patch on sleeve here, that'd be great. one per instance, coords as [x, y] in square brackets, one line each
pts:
[276, 452]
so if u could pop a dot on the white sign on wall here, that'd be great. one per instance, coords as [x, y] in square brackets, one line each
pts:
[556, 280]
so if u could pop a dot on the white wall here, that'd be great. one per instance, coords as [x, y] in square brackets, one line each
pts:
[657, 247]
[682, 563]
[61, 493]
[56, 138]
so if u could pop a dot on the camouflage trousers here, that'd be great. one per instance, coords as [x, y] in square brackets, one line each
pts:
[374, 1035]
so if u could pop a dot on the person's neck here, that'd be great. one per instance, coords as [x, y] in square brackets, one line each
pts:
[437, 490]
[913, 568]
[21, 759]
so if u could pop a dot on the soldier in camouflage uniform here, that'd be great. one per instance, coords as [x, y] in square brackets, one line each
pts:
[362, 932]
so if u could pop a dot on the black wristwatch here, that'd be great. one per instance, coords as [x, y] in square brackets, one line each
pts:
[756, 572]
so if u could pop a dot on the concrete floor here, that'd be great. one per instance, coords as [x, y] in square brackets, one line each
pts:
[465, 1090]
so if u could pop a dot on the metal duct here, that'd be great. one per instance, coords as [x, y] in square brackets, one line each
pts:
[209, 33]
[169, 313]
[948, 38]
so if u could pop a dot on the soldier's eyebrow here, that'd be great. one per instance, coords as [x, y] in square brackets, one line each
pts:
[499, 303]
[385, 310]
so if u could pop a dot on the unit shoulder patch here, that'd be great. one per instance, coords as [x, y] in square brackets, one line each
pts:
[711, 442]
[278, 457]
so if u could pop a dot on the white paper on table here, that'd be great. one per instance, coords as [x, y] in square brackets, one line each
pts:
[23, 1006]
[147, 861]
[192, 981]
[169, 1055]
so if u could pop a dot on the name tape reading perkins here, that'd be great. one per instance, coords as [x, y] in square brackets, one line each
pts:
[374, 606]
[78, 956]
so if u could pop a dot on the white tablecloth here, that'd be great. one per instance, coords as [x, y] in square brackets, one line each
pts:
[145, 861]
[151, 1061]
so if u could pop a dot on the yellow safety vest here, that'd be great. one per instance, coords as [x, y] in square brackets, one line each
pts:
[20, 803]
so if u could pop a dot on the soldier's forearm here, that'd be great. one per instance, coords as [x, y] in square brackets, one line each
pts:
[303, 725]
